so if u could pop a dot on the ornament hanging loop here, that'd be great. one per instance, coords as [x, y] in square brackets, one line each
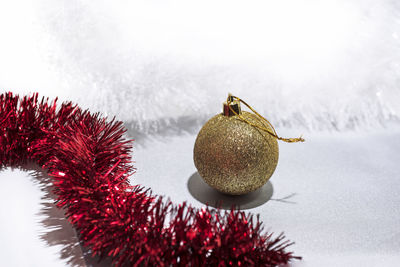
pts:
[233, 101]
[232, 108]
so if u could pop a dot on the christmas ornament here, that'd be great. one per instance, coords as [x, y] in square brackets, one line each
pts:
[236, 152]
[89, 160]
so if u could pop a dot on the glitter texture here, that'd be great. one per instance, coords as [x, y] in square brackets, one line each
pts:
[233, 156]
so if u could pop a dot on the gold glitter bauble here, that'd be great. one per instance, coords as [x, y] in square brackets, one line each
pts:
[233, 156]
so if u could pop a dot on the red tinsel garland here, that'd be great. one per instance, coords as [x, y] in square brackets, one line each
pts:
[89, 161]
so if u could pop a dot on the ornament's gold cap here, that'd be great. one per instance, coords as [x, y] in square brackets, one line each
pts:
[234, 104]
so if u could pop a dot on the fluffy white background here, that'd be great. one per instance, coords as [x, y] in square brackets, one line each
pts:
[168, 65]
[318, 64]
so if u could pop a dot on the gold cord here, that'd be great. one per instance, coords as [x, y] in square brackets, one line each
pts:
[273, 132]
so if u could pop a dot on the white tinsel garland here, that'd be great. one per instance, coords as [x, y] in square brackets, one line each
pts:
[321, 65]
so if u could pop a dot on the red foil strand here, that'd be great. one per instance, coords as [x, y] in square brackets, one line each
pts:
[89, 160]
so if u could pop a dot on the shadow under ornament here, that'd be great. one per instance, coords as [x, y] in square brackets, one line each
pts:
[211, 197]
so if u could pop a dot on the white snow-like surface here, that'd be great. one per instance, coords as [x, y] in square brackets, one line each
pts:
[317, 64]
